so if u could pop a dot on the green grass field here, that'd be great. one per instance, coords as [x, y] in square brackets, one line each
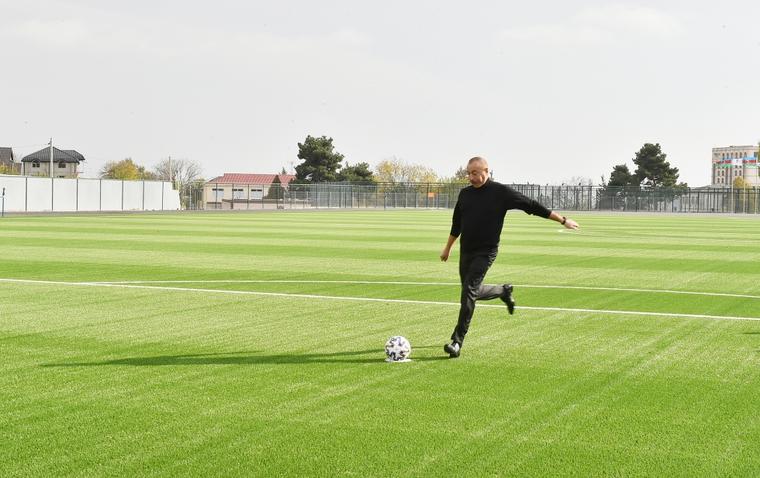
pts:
[251, 344]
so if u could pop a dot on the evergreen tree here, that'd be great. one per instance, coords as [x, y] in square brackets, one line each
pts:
[651, 168]
[359, 174]
[320, 160]
[275, 189]
[621, 177]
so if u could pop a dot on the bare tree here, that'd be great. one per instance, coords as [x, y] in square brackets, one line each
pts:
[182, 172]
[579, 181]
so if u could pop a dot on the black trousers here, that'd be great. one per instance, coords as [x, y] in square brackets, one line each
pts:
[472, 270]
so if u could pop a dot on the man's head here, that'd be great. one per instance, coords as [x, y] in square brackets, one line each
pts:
[477, 171]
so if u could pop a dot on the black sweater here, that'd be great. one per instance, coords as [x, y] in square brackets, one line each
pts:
[479, 214]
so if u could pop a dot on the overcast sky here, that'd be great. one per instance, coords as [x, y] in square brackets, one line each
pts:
[546, 90]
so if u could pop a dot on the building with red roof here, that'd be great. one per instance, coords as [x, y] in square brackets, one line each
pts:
[240, 190]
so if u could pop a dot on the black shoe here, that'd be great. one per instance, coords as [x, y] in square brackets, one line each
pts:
[453, 349]
[507, 298]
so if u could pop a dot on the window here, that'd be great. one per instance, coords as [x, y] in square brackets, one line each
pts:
[257, 192]
[238, 193]
[61, 165]
[35, 164]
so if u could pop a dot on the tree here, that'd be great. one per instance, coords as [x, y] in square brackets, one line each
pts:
[275, 189]
[740, 183]
[359, 174]
[652, 170]
[8, 169]
[182, 172]
[395, 170]
[621, 177]
[320, 160]
[614, 193]
[461, 174]
[459, 177]
[745, 199]
[125, 169]
[579, 181]
[185, 176]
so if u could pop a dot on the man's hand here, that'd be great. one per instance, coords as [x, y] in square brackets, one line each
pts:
[565, 221]
[447, 248]
[570, 224]
[445, 254]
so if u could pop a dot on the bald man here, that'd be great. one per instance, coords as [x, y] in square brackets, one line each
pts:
[478, 219]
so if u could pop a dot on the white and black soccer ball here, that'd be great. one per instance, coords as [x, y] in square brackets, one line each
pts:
[398, 349]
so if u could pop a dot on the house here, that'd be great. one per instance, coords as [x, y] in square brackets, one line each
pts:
[65, 163]
[239, 190]
[8, 164]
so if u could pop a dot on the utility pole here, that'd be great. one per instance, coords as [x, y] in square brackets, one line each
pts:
[51, 158]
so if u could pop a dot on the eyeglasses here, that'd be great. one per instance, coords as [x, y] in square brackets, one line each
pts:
[476, 171]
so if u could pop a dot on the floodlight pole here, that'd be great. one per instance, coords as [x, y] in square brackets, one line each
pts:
[51, 158]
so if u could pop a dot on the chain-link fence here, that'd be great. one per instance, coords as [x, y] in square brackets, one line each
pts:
[444, 195]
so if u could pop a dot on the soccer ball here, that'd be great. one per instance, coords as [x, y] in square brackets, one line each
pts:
[398, 349]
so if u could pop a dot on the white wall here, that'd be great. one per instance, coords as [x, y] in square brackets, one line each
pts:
[34, 194]
[64, 194]
[110, 195]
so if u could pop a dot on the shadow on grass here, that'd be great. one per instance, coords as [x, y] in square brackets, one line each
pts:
[249, 358]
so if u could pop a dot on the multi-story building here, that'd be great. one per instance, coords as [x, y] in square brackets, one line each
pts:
[65, 163]
[731, 162]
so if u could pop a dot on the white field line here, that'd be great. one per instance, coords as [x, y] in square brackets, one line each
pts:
[527, 286]
[367, 299]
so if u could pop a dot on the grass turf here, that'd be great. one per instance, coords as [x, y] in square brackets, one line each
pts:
[112, 381]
